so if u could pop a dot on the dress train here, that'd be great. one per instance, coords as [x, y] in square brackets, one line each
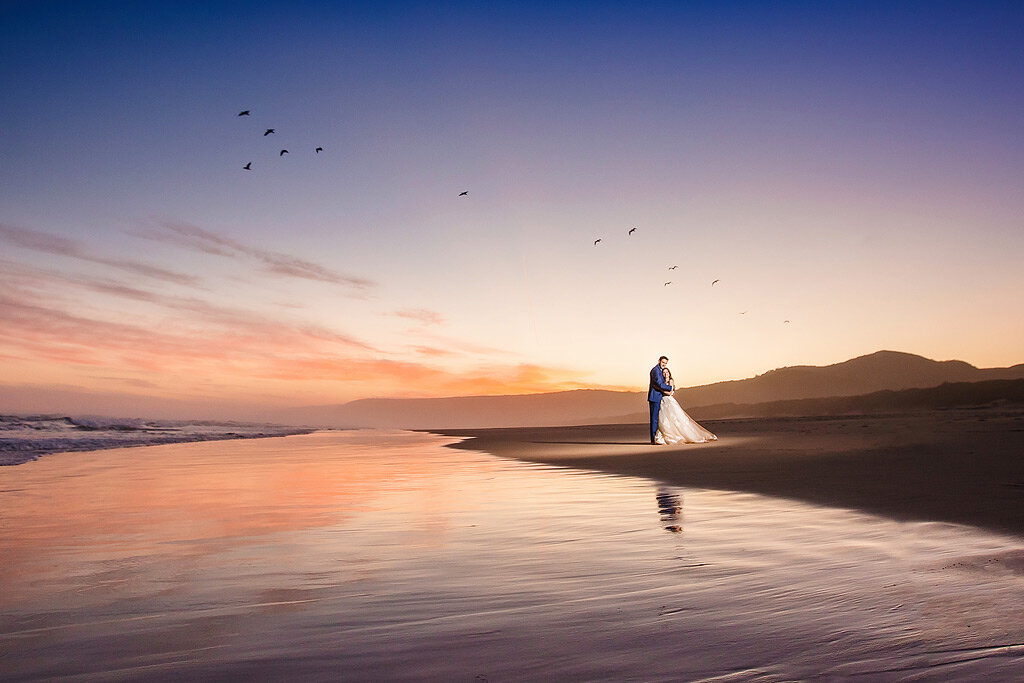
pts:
[675, 426]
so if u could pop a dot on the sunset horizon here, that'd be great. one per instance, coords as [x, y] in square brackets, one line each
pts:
[41, 400]
[285, 206]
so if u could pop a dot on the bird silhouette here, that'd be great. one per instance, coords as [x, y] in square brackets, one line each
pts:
[672, 267]
[283, 152]
[248, 166]
[713, 282]
[743, 312]
[596, 241]
[785, 321]
[667, 283]
[319, 149]
[631, 231]
[269, 131]
[464, 193]
[244, 113]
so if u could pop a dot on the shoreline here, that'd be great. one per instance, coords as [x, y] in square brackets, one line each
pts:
[955, 466]
[14, 452]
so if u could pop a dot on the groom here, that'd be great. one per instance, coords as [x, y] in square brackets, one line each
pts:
[658, 388]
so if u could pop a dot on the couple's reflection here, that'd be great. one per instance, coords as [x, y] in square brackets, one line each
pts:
[670, 509]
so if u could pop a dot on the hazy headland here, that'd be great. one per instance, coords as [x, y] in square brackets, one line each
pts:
[885, 381]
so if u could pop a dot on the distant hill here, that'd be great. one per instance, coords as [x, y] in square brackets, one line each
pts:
[991, 393]
[580, 406]
[877, 372]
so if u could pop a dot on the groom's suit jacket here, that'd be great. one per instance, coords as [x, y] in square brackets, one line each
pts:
[659, 387]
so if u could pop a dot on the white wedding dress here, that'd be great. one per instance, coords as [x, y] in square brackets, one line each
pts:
[675, 426]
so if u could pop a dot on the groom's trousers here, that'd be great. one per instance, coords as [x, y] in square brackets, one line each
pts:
[655, 411]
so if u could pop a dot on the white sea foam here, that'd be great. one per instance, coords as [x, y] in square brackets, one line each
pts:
[26, 437]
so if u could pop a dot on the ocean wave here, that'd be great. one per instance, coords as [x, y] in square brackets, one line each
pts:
[26, 437]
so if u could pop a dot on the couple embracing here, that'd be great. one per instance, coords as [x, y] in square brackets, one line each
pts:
[669, 422]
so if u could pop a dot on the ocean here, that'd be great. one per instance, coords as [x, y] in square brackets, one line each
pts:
[372, 555]
[27, 437]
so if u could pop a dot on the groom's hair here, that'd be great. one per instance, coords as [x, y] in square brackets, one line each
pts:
[662, 358]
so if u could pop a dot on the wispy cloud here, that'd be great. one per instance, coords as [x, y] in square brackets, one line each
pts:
[102, 327]
[420, 315]
[204, 341]
[40, 331]
[49, 243]
[40, 321]
[432, 351]
[185, 360]
[43, 333]
[427, 340]
[193, 237]
[387, 377]
[47, 288]
[129, 381]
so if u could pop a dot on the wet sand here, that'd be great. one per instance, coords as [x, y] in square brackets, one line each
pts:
[372, 555]
[964, 467]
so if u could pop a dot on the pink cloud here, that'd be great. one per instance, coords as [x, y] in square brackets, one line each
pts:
[243, 352]
[455, 345]
[382, 377]
[190, 346]
[432, 351]
[420, 315]
[209, 338]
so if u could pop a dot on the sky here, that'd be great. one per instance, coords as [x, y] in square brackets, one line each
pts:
[849, 173]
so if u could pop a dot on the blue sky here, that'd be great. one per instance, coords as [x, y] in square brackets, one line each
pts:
[851, 167]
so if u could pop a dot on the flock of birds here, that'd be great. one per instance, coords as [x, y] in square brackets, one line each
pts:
[270, 131]
[630, 232]
[317, 150]
[464, 193]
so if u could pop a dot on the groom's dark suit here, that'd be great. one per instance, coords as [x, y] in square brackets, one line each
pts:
[659, 387]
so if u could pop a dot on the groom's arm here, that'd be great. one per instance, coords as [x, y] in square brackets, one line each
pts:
[658, 380]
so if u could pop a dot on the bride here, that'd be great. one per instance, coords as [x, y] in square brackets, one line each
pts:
[674, 425]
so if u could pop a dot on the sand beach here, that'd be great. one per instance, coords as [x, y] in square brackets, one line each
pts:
[958, 466]
[387, 555]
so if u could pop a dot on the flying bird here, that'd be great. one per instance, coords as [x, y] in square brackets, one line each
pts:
[464, 193]
[631, 231]
[713, 282]
[269, 131]
[785, 321]
[667, 283]
[672, 267]
[743, 312]
[283, 152]
[596, 241]
[244, 113]
[248, 166]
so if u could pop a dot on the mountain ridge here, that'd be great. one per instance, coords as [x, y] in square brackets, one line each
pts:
[880, 371]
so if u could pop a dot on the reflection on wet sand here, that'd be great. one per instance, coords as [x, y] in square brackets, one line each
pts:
[670, 508]
[376, 556]
[173, 500]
